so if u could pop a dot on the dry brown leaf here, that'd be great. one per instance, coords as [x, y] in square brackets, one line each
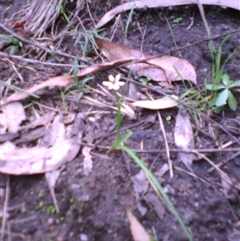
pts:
[22, 161]
[140, 186]
[63, 80]
[105, 66]
[159, 104]
[55, 81]
[138, 231]
[87, 161]
[128, 111]
[32, 160]
[161, 3]
[52, 178]
[164, 68]
[183, 135]
[11, 117]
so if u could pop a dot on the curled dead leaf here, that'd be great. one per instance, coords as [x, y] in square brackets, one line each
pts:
[57, 147]
[11, 117]
[183, 135]
[164, 68]
[138, 231]
[163, 3]
[159, 104]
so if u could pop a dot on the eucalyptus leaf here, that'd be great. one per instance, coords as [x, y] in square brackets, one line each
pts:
[222, 98]
[232, 102]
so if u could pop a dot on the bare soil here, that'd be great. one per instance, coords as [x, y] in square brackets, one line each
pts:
[93, 207]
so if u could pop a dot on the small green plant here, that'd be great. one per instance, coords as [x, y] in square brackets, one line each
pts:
[177, 21]
[51, 209]
[225, 95]
[114, 84]
[129, 20]
[77, 87]
[40, 205]
[23, 209]
[41, 193]
[63, 12]
[86, 41]
[221, 84]
[168, 119]
[11, 43]
[144, 80]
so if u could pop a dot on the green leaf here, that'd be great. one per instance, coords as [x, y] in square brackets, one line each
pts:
[214, 87]
[222, 98]
[218, 109]
[212, 101]
[232, 102]
[120, 141]
[235, 84]
[15, 41]
[225, 79]
[177, 20]
[144, 80]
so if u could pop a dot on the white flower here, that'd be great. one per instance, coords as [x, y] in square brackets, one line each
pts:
[113, 83]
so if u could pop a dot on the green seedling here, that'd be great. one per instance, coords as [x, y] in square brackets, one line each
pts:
[168, 119]
[221, 83]
[40, 205]
[225, 96]
[11, 43]
[145, 80]
[41, 193]
[217, 65]
[177, 21]
[86, 41]
[77, 87]
[51, 209]
[23, 209]
[114, 84]
[63, 12]
[129, 20]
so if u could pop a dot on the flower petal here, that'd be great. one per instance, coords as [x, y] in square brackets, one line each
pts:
[120, 83]
[118, 77]
[111, 78]
[106, 83]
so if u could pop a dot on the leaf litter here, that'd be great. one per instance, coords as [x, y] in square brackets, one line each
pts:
[183, 135]
[56, 149]
[58, 145]
[143, 4]
[139, 233]
[154, 72]
[164, 68]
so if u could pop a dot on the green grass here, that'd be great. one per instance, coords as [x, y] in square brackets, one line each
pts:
[129, 19]
[221, 86]
[119, 145]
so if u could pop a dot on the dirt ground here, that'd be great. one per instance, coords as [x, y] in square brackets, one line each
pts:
[93, 207]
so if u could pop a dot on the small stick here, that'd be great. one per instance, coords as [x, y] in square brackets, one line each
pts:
[166, 144]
